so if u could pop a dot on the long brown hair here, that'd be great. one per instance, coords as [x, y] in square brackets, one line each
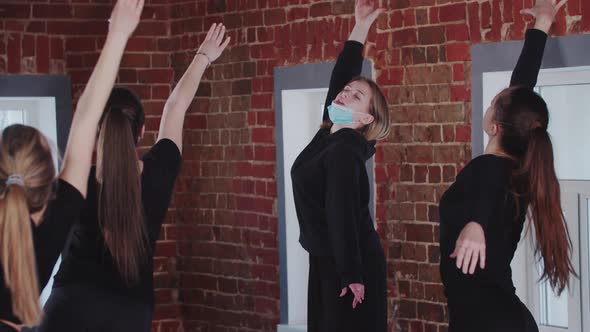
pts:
[379, 128]
[120, 207]
[523, 118]
[26, 155]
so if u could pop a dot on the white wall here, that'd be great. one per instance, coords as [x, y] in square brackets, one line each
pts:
[302, 117]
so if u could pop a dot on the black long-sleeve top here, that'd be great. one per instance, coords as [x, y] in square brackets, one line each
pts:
[481, 194]
[49, 238]
[331, 187]
[86, 259]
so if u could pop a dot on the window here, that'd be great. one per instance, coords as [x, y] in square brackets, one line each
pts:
[38, 112]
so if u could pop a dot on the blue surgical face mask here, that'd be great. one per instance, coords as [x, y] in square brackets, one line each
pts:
[340, 115]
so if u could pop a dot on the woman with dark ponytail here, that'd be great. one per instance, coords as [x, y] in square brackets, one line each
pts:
[483, 213]
[34, 227]
[120, 210]
[105, 281]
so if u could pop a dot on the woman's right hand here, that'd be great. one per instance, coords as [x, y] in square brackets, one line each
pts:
[544, 13]
[358, 290]
[365, 13]
[125, 17]
[213, 45]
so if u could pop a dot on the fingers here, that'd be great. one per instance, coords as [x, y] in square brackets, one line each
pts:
[220, 35]
[211, 30]
[460, 256]
[467, 260]
[527, 12]
[344, 290]
[224, 45]
[359, 295]
[560, 4]
[373, 16]
[482, 258]
[474, 260]
[216, 32]
[139, 7]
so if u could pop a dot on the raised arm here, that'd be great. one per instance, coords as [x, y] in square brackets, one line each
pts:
[184, 92]
[529, 63]
[350, 60]
[82, 137]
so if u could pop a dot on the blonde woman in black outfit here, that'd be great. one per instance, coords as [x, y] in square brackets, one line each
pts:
[34, 231]
[347, 281]
[483, 212]
[105, 281]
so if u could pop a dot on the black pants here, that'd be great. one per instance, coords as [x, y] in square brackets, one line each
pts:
[327, 312]
[85, 308]
[490, 311]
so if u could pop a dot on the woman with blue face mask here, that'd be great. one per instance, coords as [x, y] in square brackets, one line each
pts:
[347, 288]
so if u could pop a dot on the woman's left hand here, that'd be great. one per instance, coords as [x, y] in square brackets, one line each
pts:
[470, 248]
[359, 293]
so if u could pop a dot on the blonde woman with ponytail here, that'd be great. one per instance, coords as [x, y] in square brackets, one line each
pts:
[26, 177]
[33, 228]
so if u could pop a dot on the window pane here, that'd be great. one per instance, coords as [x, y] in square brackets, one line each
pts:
[568, 126]
[10, 117]
[554, 309]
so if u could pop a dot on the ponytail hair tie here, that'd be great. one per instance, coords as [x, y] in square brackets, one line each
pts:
[15, 179]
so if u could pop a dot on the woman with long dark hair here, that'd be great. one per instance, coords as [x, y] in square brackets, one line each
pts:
[347, 288]
[483, 213]
[105, 281]
[34, 227]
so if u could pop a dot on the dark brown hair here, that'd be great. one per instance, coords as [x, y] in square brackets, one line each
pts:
[523, 118]
[120, 206]
[24, 151]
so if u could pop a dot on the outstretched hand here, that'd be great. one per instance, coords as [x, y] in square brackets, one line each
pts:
[470, 248]
[125, 17]
[544, 13]
[213, 45]
[366, 12]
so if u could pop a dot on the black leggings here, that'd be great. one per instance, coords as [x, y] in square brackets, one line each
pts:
[327, 312]
[86, 308]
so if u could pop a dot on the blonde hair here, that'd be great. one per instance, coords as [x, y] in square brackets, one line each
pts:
[379, 128]
[23, 152]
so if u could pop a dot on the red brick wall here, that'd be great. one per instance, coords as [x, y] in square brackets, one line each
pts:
[217, 264]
